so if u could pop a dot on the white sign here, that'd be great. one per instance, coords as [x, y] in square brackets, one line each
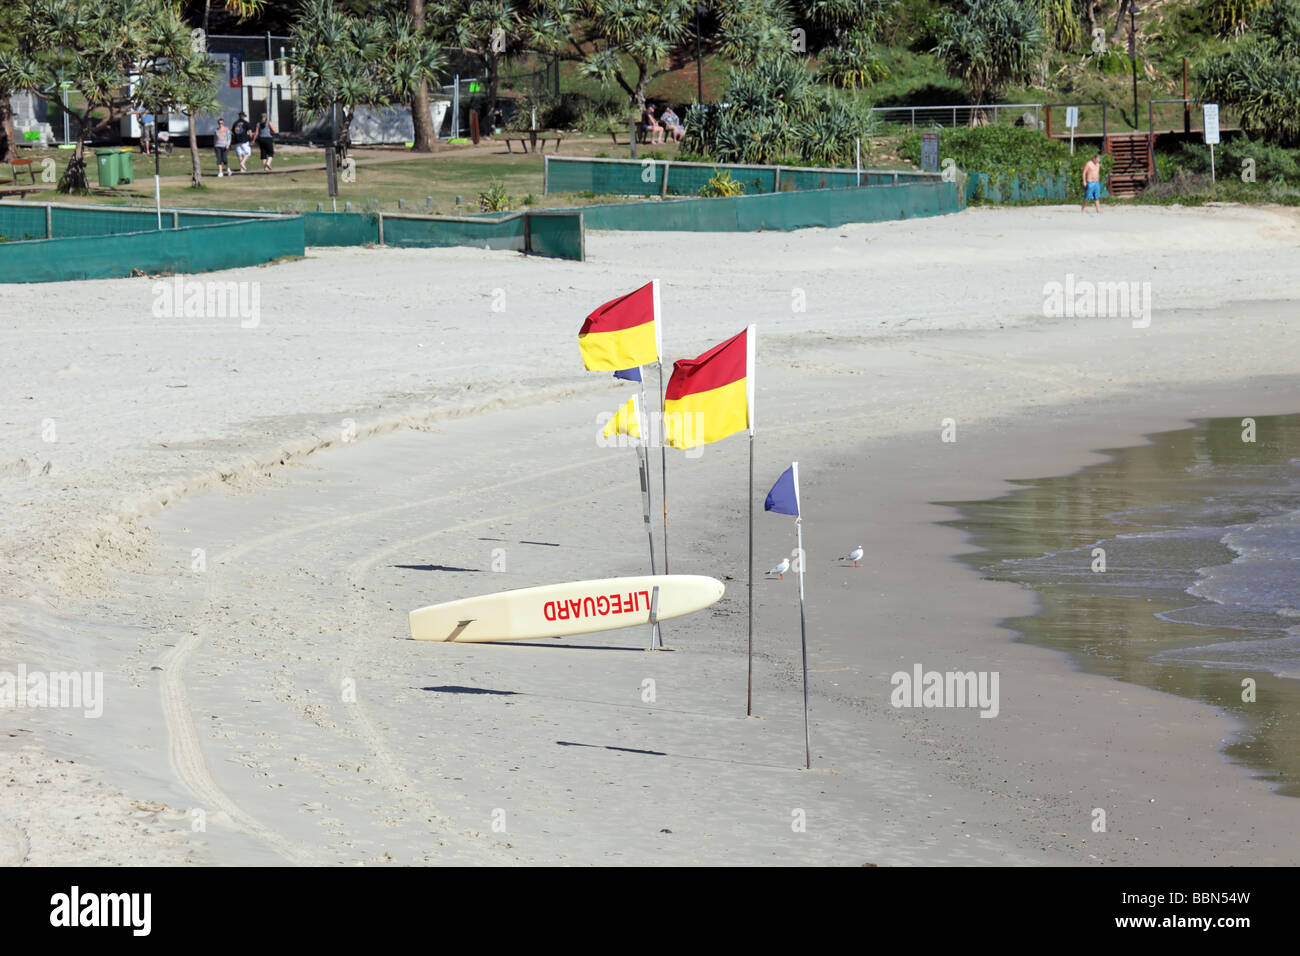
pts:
[1211, 111]
[1072, 116]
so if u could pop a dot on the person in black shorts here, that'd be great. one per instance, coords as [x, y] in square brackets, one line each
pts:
[221, 145]
[266, 142]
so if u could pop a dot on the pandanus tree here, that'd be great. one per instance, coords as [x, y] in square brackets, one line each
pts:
[1260, 74]
[843, 32]
[178, 76]
[114, 56]
[343, 62]
[9, 14]
[990, 43]
[777, 111]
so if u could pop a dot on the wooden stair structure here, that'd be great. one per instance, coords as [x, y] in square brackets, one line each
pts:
[1131, 166]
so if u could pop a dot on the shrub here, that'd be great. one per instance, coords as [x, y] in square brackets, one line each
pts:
[777, 111]
[494, 198]
[721, 184]
[1271, 161]
[1009, 152]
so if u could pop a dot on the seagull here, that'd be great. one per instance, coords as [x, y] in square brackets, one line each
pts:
[855, 556]
[781, 568]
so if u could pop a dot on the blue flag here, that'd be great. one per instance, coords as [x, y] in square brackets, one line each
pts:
[784, 496]
[632, 374]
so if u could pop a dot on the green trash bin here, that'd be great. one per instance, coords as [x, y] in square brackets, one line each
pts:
[125, 171]
[106, 160]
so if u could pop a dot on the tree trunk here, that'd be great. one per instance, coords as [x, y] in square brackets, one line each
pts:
[345, 134]
[642, 81]
[494, 77]
[8, 135]
[1119, 22]
[422, 121]
[196, 171]
[74, 175]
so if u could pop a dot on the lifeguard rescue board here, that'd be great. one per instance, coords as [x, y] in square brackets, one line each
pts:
[556, 610]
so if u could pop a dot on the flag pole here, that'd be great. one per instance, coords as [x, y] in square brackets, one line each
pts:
[644, 463]
[803, 642]
[751, 335]
[749, 697]
[663, 457]
[663, 435]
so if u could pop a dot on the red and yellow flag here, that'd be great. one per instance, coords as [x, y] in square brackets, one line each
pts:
[623, 332]
[711, 397]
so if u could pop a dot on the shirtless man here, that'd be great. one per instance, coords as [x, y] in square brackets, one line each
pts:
[1092, 182]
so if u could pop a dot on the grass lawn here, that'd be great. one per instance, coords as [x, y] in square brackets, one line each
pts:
[383, 176]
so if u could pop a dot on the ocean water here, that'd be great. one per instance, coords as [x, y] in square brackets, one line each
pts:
[1175, 565]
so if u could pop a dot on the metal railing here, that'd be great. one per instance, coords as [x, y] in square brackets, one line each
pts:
[950, 115]
[1188, 126]
[1048, 107]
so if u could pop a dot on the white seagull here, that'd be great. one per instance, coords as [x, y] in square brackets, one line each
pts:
[855, 556]
[781, 568]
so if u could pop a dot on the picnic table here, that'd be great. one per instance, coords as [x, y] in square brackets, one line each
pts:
[527, 139]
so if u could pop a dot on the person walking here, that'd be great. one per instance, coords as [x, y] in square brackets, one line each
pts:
[239, 135]
[1092, 182]
[221, 146]
[266, 142]
[148, 130]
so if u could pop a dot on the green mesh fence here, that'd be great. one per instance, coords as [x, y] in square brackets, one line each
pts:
[21, 221]
[505, 233]
[997, 188]
[341, 228]
[779, 211]
[67, 221]
[202, 219]
[686, 180]
[632, 177]
[559, 235]
[561, 238]
[190, 249]
[104, 222]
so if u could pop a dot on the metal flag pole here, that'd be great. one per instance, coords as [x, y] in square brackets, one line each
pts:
[643, 461]
[749, 695]
[157, 187]
[751, 335]
[663, 421]
[803, 639]
[663, 456]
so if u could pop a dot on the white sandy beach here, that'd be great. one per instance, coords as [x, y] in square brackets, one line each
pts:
[364, 448]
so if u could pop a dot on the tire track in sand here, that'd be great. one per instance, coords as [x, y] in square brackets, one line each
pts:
[185, 749]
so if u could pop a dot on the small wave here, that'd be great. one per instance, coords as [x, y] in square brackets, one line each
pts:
[1279, 656]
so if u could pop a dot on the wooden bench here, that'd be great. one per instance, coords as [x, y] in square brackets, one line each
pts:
[528, 139]
[13, 167]
[642, 136]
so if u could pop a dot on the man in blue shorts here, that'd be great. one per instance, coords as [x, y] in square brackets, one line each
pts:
[1092, 182]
